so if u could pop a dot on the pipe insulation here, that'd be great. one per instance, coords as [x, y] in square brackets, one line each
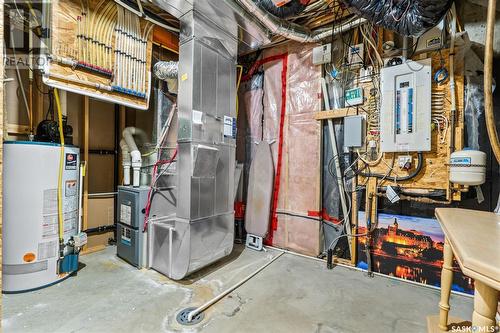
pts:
[293, 31]
[406, 17]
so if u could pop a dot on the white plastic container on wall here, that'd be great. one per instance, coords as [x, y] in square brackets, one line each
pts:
[468, 167]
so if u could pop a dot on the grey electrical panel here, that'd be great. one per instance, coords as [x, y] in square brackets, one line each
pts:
[131, 240]
[354, 129]
[405, 107]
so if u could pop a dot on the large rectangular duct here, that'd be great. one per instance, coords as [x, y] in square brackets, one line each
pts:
[192, 215]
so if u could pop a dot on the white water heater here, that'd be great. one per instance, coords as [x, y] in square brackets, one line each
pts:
[30, 215]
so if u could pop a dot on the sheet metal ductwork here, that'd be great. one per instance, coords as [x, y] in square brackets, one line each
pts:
[406, 17]
[192, 215]
[290, 30]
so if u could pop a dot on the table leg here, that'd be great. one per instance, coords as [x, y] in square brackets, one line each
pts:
[485, 306]
[446, 280]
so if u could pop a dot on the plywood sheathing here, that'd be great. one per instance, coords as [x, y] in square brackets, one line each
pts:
[435, 171]
[64, 43]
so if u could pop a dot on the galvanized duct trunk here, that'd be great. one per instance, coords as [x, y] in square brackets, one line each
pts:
[192, 216]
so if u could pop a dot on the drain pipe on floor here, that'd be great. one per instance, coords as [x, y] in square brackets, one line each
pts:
[217, 298]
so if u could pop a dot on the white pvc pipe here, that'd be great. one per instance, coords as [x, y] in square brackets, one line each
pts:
[126, 162]
[228, 291]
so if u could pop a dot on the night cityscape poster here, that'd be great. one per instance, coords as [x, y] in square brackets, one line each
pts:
[409, 248]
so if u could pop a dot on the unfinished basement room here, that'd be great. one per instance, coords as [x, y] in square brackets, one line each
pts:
[227, 166]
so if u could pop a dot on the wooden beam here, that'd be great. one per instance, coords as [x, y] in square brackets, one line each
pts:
[85, 160]
[18, 129]
[122, 123]
[38, 114]
[335, 114]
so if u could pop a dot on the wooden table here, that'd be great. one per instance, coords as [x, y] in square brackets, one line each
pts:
[473, 238]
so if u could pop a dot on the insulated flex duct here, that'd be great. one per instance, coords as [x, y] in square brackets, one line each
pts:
[406, 17]
[192, 215]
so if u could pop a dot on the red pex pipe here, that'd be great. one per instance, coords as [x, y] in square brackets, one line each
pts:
[276, 188]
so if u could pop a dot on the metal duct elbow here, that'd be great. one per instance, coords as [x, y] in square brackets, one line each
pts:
[408, 18]
[293, 31]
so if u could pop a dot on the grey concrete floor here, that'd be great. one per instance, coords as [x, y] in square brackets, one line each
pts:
[293, 294]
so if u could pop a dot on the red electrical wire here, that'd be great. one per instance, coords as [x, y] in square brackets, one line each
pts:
[153, 181]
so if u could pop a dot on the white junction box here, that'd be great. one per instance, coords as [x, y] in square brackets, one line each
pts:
[322, 54]
[406, 107]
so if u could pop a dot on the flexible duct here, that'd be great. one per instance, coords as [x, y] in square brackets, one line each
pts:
[292, 8]
[135, 154]
[164, 70]
[488, 80]
[167, 71]
[293, 31]
[408, 18]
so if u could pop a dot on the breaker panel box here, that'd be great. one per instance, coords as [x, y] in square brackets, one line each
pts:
[405, 117]
[131, 241]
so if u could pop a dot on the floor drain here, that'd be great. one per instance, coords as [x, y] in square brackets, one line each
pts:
[182, 317]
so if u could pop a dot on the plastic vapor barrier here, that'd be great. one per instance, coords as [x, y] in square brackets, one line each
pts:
[408, 18]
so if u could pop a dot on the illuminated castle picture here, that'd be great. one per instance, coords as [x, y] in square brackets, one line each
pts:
[410, 248]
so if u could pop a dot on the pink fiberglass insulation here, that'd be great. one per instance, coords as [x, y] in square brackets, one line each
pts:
[301, 168]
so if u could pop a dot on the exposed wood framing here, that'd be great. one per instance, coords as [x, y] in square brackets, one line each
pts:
[18, 129]
[335, 114]
[122, 124]
[85, 159]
